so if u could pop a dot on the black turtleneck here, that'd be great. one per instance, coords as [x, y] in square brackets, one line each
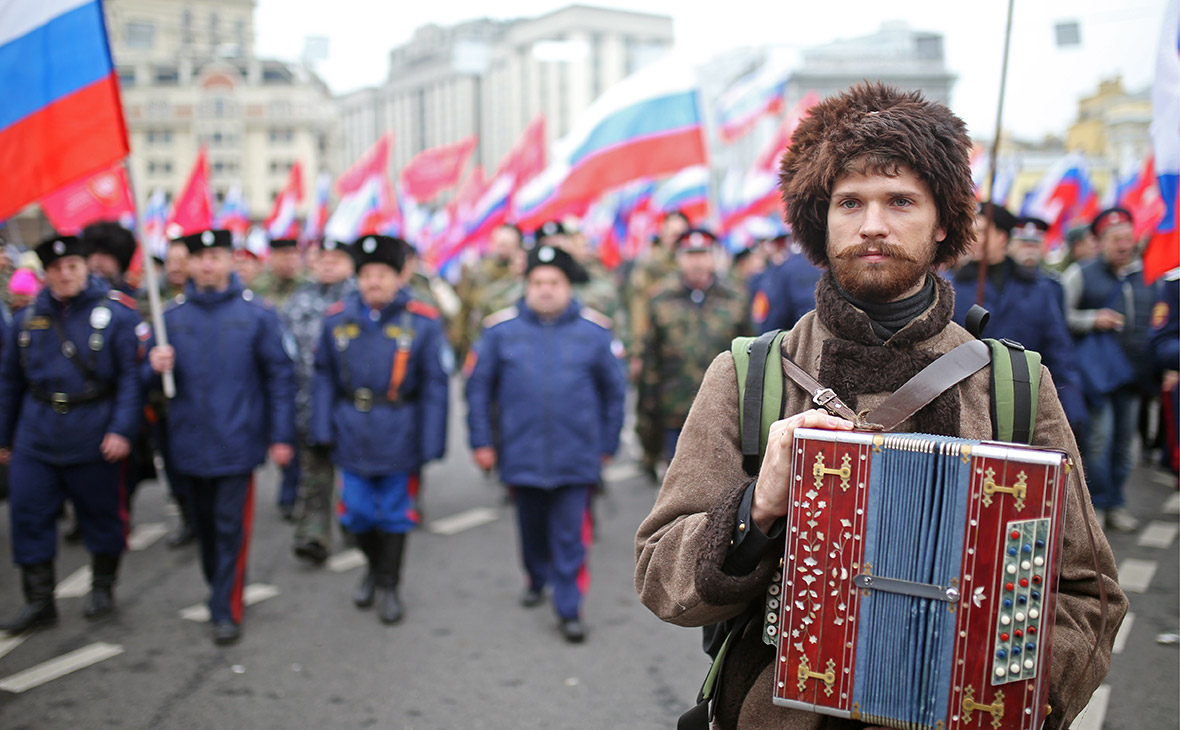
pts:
[887, 318]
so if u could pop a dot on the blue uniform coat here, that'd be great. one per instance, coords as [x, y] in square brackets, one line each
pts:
[789, 289]
[1027, 309]
[356, 351]
[31, 426]
[559, 392]
[235, 384]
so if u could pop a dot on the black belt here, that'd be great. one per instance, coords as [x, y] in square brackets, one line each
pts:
[363, 399]
[63, 402]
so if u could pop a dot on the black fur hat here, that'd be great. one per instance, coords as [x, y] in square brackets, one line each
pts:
[884, 127]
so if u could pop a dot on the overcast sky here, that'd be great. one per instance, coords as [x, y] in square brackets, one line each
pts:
[1119, 37]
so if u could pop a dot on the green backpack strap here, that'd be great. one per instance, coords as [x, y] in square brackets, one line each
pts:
[760, 391]
[1016, 385]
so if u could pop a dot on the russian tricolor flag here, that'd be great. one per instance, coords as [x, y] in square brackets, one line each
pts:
[687, 191]
[61, 118]
[1163, 251]
[752, 97]
[647, 125]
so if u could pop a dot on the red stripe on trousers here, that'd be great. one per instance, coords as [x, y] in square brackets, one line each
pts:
[235, 596]
[124, 507]
[74, 136]
[587, 539]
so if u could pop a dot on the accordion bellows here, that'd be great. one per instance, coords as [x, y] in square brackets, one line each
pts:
[918, 581]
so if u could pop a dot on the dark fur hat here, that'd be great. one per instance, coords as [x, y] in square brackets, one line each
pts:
[890, 128]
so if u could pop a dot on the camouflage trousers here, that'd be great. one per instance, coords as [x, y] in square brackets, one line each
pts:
[314, 504]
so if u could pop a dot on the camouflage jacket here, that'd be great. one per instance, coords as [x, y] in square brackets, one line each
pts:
[303, 319]
[688, 328]
[646, 278]
[275, 290]
[488, 275]
[601, 293]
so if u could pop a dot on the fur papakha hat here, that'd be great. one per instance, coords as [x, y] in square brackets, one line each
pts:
[889, 127]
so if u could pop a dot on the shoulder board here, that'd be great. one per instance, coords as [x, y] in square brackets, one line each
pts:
[597, 317]
[177, 301]
[422, 309]
[336, 308]
[503, 315]
[1172, 275]
[117, 296]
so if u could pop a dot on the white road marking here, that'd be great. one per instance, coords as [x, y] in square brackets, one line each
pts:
[254, 593]
[347, 560]
[620, 472]
[59, 667]
[457, 523]
[1120, 639]
[77, 585]
[146, 535]
[1159, 477]
[1172, 506]
[9, 643]
[1158, 534]
[1094, 713]
[1135, 575]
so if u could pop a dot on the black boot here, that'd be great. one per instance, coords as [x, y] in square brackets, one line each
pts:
[389, 606]
[39, 609]
[369, 543]
[101, 600]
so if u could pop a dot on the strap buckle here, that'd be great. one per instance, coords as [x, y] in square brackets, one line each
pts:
[362, 400]
[61, 403]
[823, 396]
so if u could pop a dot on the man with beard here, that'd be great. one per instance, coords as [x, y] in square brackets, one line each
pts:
[877, 188]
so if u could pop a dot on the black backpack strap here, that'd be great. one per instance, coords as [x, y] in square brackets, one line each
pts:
[976, 321]
[700, 716]
[1016, 381]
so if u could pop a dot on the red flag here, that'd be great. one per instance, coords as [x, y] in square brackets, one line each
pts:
[371, 164]
[193, 210]
[436, 169]
[104, 196]
[1143, 200]
[527, 158]
[282, 221]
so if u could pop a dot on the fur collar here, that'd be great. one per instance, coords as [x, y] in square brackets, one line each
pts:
[855, 361]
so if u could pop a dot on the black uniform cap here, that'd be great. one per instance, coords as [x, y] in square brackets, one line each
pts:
[547, 229]
[111, 238]
[197, 242]
[1001, 216]
[283, 243]
[56, 247]
[378, 249]
[331, 244]
[696, 239]
[1029, 228]
[558, 258]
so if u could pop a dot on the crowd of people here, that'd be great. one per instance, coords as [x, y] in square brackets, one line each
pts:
[332, 360]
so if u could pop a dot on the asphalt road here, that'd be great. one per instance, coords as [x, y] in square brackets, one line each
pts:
[466, 656]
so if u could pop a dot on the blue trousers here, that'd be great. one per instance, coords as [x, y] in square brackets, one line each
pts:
[36, 493]
[1108, 457]
[671, 438]
[289, 483]
[223, 517]
[385, 502]
[555, 535]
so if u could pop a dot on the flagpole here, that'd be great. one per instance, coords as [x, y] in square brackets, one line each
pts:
[153, 288]
[989, 211]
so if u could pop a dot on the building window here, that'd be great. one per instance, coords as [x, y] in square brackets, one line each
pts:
[282, 135]
[159, 167]
[278, 167]
[167, 75]
[140, 35]
[225, 167]
[214, 31]
[186, 28]
[126, 77]
[159, 136]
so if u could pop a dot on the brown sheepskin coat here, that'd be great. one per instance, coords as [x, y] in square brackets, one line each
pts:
[681, 545]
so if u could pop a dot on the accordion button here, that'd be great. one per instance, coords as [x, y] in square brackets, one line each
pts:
[1022, 600]
[1033, 613]
[1003, 637]
[1015, 535]
[1038, 561]
[1012, 552]
[1025, 565]
[1001, 654]
[1011, 569]
[1024, 582]
[1027, 548]
[1015, 668]
[1005, 620]
[1030, 647]
[1029, 663]
[1036, 579]
[1036, 595]
[1009, 587]
[1000, 671]
[1015, 652]
[1007, 603]
[1040, 543]
[1019, 634]
[1032, 629]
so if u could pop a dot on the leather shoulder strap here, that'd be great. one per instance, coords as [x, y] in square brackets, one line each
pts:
[934, 379]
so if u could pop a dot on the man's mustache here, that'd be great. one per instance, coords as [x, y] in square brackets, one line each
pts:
[885, 249]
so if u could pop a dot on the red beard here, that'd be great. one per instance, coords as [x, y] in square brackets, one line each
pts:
[880, 281]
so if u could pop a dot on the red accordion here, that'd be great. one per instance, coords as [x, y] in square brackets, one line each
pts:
[919, 580]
